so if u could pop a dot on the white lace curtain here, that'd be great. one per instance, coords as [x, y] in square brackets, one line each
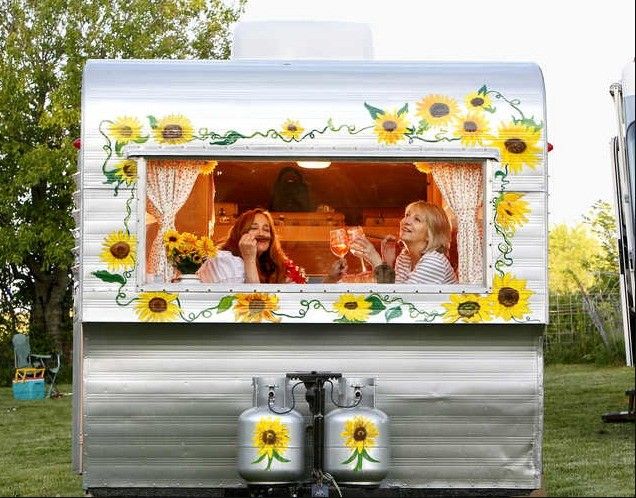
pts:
[168, 187]
[461, 187]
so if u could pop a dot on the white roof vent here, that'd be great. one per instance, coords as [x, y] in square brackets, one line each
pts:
[302, 40]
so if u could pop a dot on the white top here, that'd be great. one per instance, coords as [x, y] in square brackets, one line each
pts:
[432, 268]
[225, 267]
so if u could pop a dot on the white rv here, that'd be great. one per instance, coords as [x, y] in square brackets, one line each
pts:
[164, 364]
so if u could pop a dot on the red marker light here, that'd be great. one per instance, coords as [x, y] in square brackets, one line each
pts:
[77, 143]
[550, 147]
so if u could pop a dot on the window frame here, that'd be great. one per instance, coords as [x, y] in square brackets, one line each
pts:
[488, 157]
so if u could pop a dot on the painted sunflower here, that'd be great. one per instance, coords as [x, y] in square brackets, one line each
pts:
[173, 129]
[519, 146]
[426, 168]
[511, 211]
[208, 167]
[126, 171]
[510, 297]
[353, 308]
[271, 438]
[476, 101]
[171, 239]
[390, 127]
[469, 308]
[472, 129]
[292, 130]
[157, 306]
[256, 307]
[359, 433]
[119, 251]
[437, 110]
[125, 129]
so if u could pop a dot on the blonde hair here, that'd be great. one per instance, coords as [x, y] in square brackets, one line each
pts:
[439, 229]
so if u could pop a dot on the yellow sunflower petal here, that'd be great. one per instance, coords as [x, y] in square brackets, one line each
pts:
[390, 127]
[437, 110]
[157, 306]
[173, 129]
[125, 129]
[510, 297]
[472, 129]
[469, 308]
[519, 146]
[292, 130]
[512, 211]
[476, 101]
[119, 251]
[256, 307]
[353, 308]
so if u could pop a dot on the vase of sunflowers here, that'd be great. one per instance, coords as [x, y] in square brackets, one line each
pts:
[186, 252]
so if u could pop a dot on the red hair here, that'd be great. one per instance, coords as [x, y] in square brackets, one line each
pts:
[271, 264]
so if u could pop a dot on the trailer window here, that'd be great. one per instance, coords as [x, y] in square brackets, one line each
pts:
[201, 200]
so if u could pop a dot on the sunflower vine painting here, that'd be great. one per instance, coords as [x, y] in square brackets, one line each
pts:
[271, 439]
[359, 434]
[435, 118]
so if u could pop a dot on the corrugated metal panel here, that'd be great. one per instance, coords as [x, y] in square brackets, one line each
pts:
[161, 401]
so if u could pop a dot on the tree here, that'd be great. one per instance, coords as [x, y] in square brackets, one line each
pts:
[43, 47]
[572, 252]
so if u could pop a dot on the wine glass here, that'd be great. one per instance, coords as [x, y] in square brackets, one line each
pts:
[338, 242]
[354, 232]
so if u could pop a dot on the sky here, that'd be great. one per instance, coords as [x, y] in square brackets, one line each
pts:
[581, 48]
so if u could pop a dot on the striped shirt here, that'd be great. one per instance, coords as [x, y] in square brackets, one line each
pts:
[432, 268]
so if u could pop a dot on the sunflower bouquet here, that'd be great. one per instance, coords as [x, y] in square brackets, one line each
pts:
[187, 252]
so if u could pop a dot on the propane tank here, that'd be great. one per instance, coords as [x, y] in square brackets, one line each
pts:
[357, 435]
[271, 435]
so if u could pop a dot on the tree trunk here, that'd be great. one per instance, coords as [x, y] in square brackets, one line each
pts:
[48, 297]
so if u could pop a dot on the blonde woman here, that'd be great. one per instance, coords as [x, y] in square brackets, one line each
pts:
[425, 237]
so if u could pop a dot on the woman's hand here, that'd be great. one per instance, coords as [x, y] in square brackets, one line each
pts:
[361, 247]
[247, 246]
[388, 247]
[337, 270]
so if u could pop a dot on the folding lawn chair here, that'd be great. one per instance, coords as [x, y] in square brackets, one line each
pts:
[34, 366]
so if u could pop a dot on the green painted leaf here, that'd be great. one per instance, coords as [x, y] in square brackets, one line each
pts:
[225, 303]
[483, 90]
[230, 138]
[142, 140]
[260, 458]
[376, 304]
[118, 147]
[358, 466]
[280, 458]
[490, 109]
[392, 313]
[404, 109]
[369, 457]
[109, 277]
[422, 126]
[153, 122]
[111, 176]
[351, 458]
[374, 111]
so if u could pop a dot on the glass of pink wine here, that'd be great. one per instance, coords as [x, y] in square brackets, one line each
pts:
[338, 242]
[352, 233]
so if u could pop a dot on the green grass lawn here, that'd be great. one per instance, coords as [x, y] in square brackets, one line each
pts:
[582, 456]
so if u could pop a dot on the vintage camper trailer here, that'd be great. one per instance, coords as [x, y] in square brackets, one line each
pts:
[166, 363]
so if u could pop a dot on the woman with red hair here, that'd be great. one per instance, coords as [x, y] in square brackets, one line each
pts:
[254, 239]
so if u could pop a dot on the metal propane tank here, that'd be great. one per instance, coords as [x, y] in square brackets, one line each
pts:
[357, 435]
[271, 435]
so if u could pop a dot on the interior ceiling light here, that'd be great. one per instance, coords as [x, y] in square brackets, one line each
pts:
[313, 164]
